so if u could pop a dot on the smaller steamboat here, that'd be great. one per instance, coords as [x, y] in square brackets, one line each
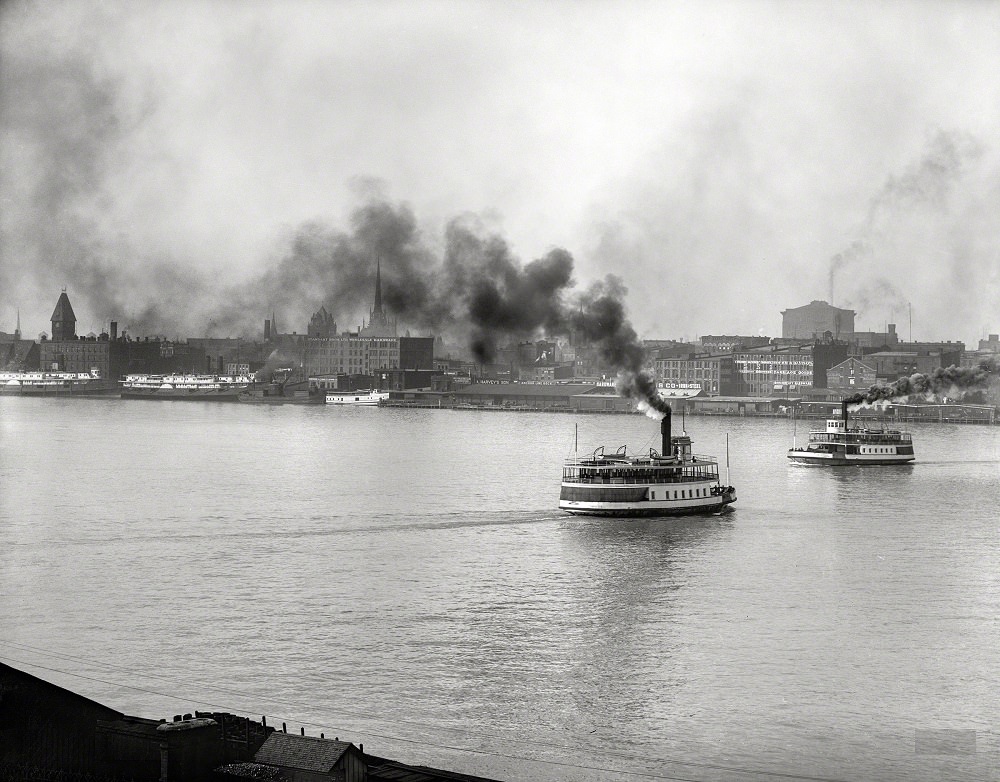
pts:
[366, 398]
[674, 482]
[840, 444]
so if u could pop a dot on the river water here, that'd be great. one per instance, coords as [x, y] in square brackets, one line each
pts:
[403, 579]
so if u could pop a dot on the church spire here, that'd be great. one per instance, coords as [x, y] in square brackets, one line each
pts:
[378, 324]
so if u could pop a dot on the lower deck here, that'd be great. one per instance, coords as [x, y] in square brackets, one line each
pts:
[644, 499]
[853, 453]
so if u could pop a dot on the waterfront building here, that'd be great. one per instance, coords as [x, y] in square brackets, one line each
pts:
[713, 374]
[222, 354]
[312, 758]
[825, 355]
[728, 343]
[816, 320]
[991, 345]
[322, 325]
[353, 354]
[584, 397]
[776, 369]
[890, 365]
[17, 354]
[950, 353]
[373, 350]
[874, 339]
[851, 375]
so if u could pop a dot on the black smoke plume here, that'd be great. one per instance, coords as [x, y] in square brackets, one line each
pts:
[601, 319]
[952, 382]
[74, 123]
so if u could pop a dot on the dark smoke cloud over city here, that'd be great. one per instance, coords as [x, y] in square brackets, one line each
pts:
[187, 169]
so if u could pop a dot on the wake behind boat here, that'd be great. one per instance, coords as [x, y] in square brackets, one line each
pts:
[674, 482]
[840, 444]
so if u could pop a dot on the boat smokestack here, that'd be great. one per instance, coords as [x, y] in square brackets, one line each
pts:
[844, 406]
[665, 432]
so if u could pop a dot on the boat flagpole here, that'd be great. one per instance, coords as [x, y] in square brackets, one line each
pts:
[727, 460]
[576, 439]
[793, 428]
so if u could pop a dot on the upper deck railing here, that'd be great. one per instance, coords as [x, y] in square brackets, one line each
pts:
[861, 436]
[698, 469]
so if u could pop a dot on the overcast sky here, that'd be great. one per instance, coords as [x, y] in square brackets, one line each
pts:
[727, 160]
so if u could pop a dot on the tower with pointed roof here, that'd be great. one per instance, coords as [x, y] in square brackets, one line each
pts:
[63, 320]
[378, 324]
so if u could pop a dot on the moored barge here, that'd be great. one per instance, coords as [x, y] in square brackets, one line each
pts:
[673, 482]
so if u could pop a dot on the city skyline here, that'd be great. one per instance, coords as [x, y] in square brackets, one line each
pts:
[725, 161]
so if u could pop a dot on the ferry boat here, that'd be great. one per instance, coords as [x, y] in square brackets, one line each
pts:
[366, 397]
[56, 384]
[840, 444]
[219, 388]
[673, 482]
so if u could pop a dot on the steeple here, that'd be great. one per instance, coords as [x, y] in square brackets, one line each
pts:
[379, 324]
[378, 285]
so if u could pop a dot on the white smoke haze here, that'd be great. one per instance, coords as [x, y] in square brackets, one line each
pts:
[185, 168]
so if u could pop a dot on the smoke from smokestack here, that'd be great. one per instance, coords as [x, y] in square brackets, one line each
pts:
[952, 382]
[924, 188]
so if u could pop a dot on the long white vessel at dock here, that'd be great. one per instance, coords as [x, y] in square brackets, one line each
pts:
[222, 388]
[673, 482]
[56, 384]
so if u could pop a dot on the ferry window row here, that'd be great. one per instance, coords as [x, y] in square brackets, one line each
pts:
[682, 494]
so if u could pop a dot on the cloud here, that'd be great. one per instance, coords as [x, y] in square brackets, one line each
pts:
[715, 158]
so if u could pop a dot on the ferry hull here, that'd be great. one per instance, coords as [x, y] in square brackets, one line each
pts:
[850, 460]
[646, 507]
[637, 510]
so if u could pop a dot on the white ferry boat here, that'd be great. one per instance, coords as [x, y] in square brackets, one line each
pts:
[366, 397]
[840, 444]
[221, 388]
[673, 482]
